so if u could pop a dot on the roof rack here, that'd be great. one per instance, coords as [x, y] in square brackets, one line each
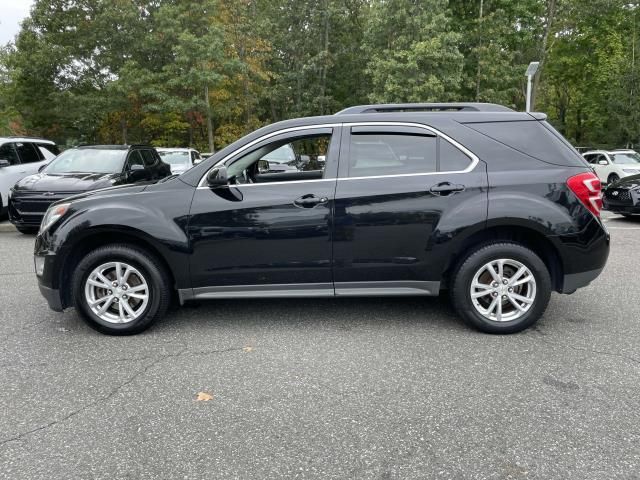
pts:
[425, 107]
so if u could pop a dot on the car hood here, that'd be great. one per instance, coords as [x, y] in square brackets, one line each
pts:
[67, 182]
[632, 181]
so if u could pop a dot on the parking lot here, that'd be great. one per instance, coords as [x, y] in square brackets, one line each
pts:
[344, 388]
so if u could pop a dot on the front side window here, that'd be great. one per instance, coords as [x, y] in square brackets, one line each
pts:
[302, 158]
[135, 158]
[148, 158]
[376, 154]
[89, 160]
[8, 153]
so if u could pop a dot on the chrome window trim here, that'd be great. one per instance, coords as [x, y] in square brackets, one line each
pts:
[473, 157]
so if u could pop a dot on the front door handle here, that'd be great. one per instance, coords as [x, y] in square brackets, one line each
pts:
[446, 188]
[309, 201]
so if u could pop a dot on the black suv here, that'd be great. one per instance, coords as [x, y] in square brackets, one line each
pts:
[492, 204]
[80, 170]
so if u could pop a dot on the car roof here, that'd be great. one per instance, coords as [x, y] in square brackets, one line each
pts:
[176, 149]
[111, 147]
[26, 139]
[610, 152]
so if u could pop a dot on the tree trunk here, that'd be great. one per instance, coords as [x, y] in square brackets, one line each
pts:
[478, 70]
[123, 125]
[551, 13]
[325, 49]
[209, 120]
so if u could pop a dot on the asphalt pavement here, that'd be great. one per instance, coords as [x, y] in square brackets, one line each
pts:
[332, 388]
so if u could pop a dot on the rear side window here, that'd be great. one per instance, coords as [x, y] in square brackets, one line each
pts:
[533, 138]
[148, 157]
[28, 152]
[375, 154]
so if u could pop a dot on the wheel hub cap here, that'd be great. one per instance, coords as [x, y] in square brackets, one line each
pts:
[503, 290]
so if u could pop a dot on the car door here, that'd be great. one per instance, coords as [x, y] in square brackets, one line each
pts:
[403, 195]
[267, 231]
[10, 174]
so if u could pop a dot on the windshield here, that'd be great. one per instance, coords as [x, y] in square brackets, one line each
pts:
[284, 154]
[176, 158]
[88, 160]
[629, 158]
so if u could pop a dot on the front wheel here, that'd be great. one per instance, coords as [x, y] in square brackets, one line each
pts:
[120, 290]
[501, 288]
[613, 178]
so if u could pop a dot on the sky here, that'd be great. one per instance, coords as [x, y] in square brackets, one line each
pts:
[12, 12]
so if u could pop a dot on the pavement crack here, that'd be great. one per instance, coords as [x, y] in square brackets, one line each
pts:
[181, 353]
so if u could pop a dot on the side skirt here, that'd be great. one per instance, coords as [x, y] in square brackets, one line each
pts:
[341, 289]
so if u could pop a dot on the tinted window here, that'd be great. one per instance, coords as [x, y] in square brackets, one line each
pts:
[7, 152]
[389, 154]
[148, 157]
[88, 160]
[49, 147]
[536, 139]
[28, 152]
[452, 159]
[135, 159]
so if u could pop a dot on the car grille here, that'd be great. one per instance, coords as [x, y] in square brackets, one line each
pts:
[623, 196]
[30, 207]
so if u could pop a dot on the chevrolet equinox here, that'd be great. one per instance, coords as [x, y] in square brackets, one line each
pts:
[492, 205]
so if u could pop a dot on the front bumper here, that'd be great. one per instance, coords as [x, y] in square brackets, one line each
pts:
[52, 296]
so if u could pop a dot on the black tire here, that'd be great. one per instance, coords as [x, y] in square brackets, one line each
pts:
[613, 178]
[151, 269]
[464, 274]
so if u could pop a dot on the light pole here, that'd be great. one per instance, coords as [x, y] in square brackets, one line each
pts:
[531, 71]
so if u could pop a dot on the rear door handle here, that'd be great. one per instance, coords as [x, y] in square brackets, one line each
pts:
[309, 201]
[446, 188]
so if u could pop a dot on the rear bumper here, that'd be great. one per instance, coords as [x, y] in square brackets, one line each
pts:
[574, 281]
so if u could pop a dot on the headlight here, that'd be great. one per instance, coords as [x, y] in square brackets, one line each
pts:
[630, 170]
[54, 214]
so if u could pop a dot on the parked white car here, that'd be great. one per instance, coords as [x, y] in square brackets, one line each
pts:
[20, 157]
[179, 159]
[612, 165]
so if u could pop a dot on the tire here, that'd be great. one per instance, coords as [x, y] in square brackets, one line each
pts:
[613, 178]
[474, 267]
[27, 230]
[145, 277]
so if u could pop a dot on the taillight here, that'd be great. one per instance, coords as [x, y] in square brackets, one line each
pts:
[588, 189]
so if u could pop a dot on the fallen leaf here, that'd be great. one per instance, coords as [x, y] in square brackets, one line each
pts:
[203, 397]
[248, 348]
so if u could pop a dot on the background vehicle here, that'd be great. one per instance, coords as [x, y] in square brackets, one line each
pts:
[490, 204]
[179, 159]
[623, 197]
[19, 157]
[612, 165]
[79, 170]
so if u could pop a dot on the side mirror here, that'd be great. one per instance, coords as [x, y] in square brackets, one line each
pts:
[136, 172]
[218, 177]
[42, 167]
[4, 163]
[603, 162]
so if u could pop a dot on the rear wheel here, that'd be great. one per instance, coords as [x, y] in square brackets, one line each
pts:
[613, 178]
[120, 290]
[501, 288]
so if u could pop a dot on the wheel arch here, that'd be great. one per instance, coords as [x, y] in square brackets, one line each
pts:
[105, 235]
[525, 235]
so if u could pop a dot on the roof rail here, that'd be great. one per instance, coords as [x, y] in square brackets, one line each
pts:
[426, 107]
